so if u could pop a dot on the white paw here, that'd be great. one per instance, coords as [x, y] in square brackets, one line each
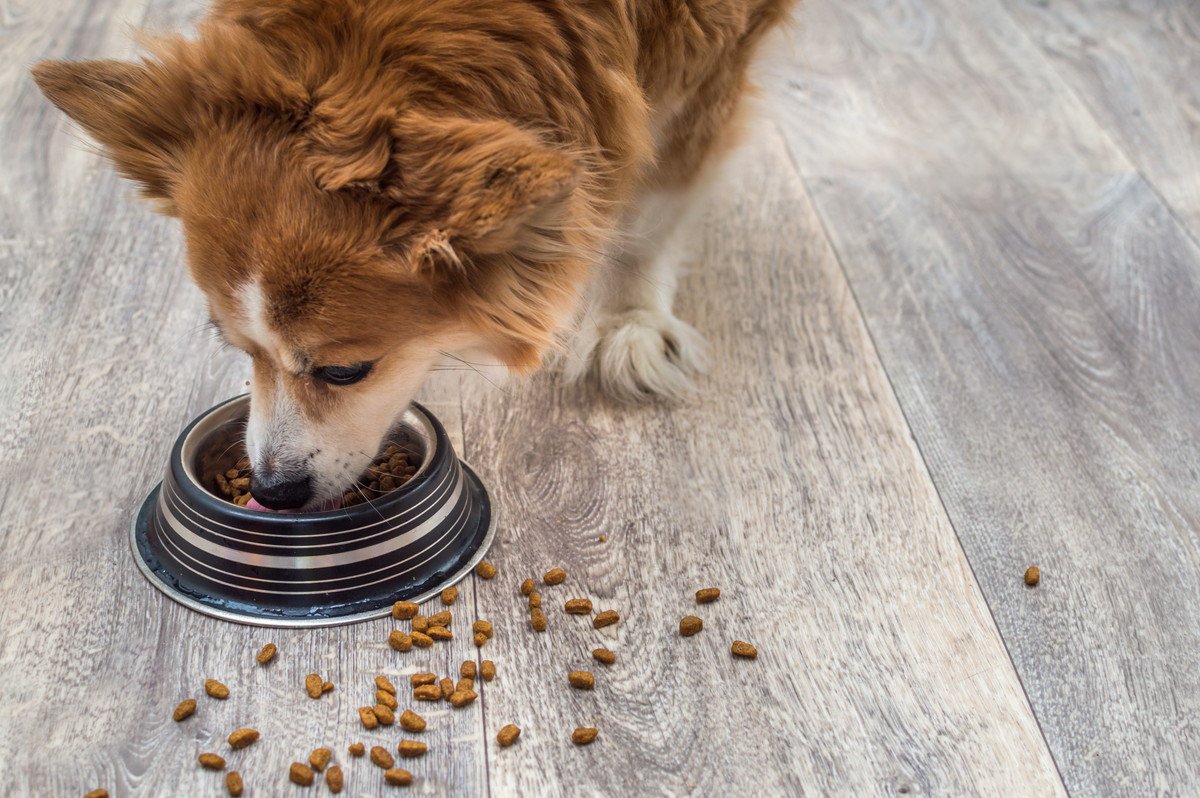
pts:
[642, 354]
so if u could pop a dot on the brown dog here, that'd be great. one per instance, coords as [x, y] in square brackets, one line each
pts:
[368, 186]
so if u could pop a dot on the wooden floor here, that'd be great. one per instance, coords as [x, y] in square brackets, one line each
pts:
[954, 301]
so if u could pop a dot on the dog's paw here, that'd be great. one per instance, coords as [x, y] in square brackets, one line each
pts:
[643, 355]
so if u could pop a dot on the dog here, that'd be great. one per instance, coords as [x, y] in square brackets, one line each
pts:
[367, 187]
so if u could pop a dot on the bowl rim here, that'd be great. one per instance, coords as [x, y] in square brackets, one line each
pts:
[203, 501]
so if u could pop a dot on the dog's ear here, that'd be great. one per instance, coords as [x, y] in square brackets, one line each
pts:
[114, 103]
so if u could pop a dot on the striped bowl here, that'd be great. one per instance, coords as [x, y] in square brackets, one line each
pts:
[311, 569]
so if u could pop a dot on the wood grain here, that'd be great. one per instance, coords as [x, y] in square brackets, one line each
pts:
[790, 483]
[1033, 302]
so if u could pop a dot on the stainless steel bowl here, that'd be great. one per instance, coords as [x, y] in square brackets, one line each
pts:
[310, 569]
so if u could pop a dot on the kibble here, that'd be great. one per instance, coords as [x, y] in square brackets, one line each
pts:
[484, 627]
[538, 619]
[460, 698]
[301, 774]
[526, 587]
[690, 625]
[487, 670]
[439, 633]
[467, 669]
[381, 757]
[411, 721]
[485, 570]
[449, 595]
[604, 655]
[421, 640]
[357, 749]
[333, 779]
[606, 618]
[508, 735]
[327, 687]
[420, 623]
[581, 680]
[216, 689]
[319, 758]
[398, 776]
[447, 686]
[743, 649]
[708, 595]
[400, 641]
[233, 783]
[386, 699]
[583, 735]
[419, 679]
[555, 576]
[535, 600]
[266, 654]
[384, 715]
[410, 749]
[465, 684]
[1033, 575]
[314, 685]
[578, 606]
[242, 738]
[184, 710]
[383, 683]
[211, 761]
[443, 618]
[99, 792]
[367, 716]
[428, 692]
[480, 639]
[405, 610]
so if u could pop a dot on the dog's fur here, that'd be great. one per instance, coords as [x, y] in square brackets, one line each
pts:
[396, 181]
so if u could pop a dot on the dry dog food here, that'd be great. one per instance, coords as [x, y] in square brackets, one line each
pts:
[211, 761]
[216, 689]
[538, 619]
[326, 687]
[241, 738]
[1033, 575]
[419, 679]
[410, 749]
[487, 670]
[384, 715]
[381, 757]
[233, 783]
[357, 749]
[485, 570]
[333, 779]
[421, 640]
[743, 649]
[443, 618]
[185, 709]
[535, 600]
[465, 684]
[384, 684]
[99, 792]
[480, 639]
[581, 680]
[266, 654]
[460, 698]
[447, 686]
[387, 699]
[411, 721]
[526, 587]
[606, 618]
[584, 735]
[467, 669]
[400, 641]
[508, 735]
[398, 776]
[319, 758]
[314, 685]
[439, 633]
[449, 595]
[604, 655]
[301, 774]
[690, 625]
[405, 610]
[708, 595]
[420, 623]
[482, 627]
[427, 692]
[578, 606]
[555, 576]
[388, 471]
[367, 716]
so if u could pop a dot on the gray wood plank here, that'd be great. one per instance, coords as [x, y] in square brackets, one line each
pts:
[790, 483]
[1033, 302]
[1136, 65]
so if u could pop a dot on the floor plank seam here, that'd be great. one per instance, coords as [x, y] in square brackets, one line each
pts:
[916, 443]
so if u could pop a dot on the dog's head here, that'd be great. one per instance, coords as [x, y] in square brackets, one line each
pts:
[345, 243]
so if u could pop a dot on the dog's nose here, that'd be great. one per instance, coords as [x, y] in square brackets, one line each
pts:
[281, 494]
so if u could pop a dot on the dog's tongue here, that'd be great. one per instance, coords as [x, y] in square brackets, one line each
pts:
[332, 504]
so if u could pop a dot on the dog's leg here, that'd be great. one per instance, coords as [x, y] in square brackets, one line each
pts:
[631, 339]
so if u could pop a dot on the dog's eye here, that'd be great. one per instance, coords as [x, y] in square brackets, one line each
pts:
[342, 375]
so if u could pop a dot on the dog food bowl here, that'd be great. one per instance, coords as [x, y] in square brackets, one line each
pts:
[309, 569]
